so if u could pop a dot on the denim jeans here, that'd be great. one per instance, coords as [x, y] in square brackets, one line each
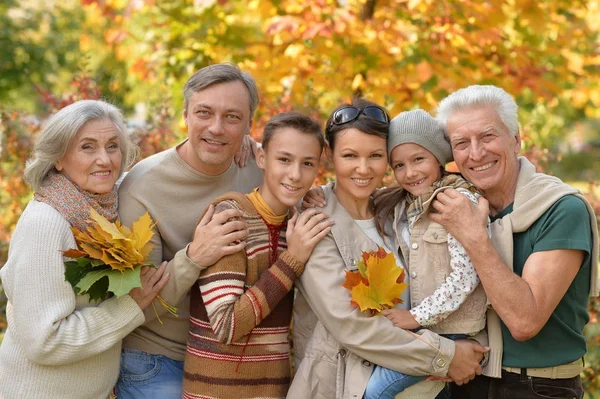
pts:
[145, 376]
[386, 384]
[515, 386]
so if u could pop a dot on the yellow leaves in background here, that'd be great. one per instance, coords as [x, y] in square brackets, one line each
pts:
[378, 282]
[116, 245]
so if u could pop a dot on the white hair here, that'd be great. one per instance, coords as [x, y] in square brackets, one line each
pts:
[481, 96]
[62, 128]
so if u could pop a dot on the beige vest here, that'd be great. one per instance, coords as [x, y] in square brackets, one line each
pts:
[428, 264]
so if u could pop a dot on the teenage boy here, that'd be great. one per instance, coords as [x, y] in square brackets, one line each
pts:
[242, 305]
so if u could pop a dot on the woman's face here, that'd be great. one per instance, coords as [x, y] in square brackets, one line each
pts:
[359, 161]
[93, 159]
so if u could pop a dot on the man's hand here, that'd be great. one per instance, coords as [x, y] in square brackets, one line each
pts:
[465, 364]
[247, 149]
[460, 216]
[305, 231]
[217, 236]
[314, 197]
[401, 318]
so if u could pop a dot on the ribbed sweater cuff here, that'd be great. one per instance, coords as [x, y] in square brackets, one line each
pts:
[293, 263]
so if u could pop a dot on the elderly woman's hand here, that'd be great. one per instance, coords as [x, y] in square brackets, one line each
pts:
[153, 280]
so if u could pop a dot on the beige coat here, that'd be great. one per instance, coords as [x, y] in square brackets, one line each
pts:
[427, 261]
[335, 345]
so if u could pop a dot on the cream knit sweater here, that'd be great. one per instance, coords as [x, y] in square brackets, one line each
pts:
[57, 344]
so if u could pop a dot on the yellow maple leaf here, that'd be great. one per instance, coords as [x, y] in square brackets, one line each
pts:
[116, 245]
[106, 226]
[385, 284]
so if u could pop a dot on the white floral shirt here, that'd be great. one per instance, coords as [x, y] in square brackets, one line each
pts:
[458, 285]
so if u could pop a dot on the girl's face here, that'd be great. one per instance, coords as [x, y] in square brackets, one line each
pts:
[359, 161]
[415, 168]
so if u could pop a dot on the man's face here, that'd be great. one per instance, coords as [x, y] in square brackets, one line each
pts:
[217, 119]
[484, 150]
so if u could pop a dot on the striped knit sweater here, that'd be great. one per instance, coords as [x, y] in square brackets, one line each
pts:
[240, 315]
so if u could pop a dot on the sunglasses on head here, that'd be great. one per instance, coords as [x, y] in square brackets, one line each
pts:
[350, 113]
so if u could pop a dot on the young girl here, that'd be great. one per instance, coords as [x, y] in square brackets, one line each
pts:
[445, 294]
[242, 305]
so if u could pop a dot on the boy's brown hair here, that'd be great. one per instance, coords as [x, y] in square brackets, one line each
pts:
[295, 120]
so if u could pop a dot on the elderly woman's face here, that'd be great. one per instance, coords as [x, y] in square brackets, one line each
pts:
[93, 159]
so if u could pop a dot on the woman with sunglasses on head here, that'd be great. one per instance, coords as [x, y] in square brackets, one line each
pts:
[336, 346]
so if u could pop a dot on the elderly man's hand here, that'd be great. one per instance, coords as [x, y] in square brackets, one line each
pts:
[465, 364]
[460, 216]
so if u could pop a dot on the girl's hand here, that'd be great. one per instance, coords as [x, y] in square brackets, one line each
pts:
[305, 231]
[153, 280]
[314, 197]
[401, 318]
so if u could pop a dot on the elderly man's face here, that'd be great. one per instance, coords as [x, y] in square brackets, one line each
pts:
[484, 150]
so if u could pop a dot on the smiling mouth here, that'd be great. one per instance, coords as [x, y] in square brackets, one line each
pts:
[418, 182]
[101, 173]
[484, 167]
[211, 142]
[361, 182]
[290, 188]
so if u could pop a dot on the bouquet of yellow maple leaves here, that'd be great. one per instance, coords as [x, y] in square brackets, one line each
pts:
[109, 257]
[378, 282]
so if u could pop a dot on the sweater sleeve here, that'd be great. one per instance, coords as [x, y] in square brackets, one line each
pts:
[183, 271]
[235, 310]
[372, 338]
[45, 320]
[461, 282]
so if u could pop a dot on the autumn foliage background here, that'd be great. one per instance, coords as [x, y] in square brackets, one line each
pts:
[308, 56]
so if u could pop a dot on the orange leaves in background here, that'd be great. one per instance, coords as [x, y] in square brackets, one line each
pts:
[378, 282]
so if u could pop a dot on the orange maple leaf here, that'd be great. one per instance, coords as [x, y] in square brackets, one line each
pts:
[382, 286]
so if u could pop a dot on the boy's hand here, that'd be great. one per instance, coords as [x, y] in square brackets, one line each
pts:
[401, 318]
[314, 197]
[305, 231]
[247, 149]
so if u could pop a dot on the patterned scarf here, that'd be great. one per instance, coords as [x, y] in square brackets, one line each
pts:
[416, 203]
[73, 203]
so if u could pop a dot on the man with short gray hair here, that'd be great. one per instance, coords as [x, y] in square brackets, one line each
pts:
[541, 263]
[175, 187]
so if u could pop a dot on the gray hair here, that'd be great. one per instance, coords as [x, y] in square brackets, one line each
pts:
[62, 128]
[220, 73]
[481, 96]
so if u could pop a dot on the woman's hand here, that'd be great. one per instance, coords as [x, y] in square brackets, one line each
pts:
[401, 318]
[248, 147]
[153, 280]
[305, 231]
[314, 197]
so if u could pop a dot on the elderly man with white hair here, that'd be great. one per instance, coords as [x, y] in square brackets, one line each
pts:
[540, 264]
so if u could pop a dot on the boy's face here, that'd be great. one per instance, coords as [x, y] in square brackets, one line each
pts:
[291, 163]
[415, 168]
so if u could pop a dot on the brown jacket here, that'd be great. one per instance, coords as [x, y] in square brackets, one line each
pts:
[336, 346]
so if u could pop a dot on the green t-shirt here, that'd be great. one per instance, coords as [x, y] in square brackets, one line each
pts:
[565, 225]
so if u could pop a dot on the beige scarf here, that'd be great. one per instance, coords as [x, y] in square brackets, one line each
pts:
[73, 203]
[535, 194]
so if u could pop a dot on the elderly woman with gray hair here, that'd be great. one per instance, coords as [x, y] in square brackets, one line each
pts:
[58, 344]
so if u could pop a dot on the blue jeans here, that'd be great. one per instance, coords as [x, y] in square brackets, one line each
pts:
[386, 384]
[145, 376]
